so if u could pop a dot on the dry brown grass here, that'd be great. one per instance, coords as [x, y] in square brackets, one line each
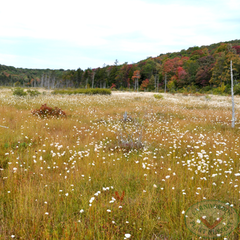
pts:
[53, 168]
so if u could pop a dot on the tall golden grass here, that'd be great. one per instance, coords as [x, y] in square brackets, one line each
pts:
[68, 178]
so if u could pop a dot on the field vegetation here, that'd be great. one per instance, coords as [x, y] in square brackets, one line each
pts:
[89, 91]
[203, 69]
[119, 166]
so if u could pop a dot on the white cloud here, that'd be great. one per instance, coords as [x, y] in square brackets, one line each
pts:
[131, 26]
[87, 22]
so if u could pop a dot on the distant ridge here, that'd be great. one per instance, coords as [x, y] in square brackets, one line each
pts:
[200, 66]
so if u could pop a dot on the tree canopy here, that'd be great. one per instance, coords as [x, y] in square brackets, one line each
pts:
[199, 66]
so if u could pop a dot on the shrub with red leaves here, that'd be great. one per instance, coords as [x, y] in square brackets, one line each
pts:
[45, 112]
[113, 86]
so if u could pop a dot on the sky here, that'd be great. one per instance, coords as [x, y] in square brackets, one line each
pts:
[74, 34]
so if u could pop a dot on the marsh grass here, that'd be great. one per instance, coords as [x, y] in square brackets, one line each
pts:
[63, 179]
[89, 91]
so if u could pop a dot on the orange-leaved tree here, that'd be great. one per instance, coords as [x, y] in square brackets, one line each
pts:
[135, 77]
[144, 85]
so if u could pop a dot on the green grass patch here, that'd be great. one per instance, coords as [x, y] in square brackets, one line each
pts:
[158, 96]
[89, 91]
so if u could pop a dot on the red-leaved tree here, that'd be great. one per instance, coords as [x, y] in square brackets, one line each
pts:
[144, 84]
[136, 76]
[237, 48]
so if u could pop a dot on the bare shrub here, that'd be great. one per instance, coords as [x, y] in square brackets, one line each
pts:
[130, 133]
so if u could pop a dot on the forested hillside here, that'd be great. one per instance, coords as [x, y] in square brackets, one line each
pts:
[197, 67]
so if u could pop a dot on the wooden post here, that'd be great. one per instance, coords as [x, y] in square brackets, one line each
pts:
[233, 112]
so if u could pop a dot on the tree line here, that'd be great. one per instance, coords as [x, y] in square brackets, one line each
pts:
[200, 67]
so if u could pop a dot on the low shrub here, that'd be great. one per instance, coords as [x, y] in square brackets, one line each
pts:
[101, 91]
[19, 92]
[221, 90]
[44, 112]
[158, 96]
[206, 89]
[113, 86]
[33, 93]
[89, 91]
[236, 89]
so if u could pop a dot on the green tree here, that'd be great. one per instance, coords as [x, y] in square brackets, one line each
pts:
[113, 72]
[171, 85]
[101, 77]
[86, 77]
[221, 69]
[148, 69]
[191, 67]
[79, 77]
[151, 84]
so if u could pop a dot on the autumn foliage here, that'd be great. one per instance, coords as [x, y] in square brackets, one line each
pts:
[144, 84]
[204, 67]
[118, 197]
[113, 86]
[44, 112]
[237, 48]
[136, 75]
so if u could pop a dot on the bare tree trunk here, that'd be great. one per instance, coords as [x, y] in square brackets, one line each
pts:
[61, 85]
[93, 76]
[53, 82]
[45, 80]
[58, 83]
[42, 79]
[49, 82]
[233, 112]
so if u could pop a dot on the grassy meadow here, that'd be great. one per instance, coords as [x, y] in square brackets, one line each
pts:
[120, 166]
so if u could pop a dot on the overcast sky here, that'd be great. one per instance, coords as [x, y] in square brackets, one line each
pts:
[88, 33]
